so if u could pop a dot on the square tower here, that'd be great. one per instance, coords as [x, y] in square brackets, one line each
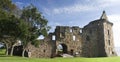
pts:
[98, 38]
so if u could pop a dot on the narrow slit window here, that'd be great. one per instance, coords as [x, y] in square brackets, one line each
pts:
[44, 50]
[109, 42]
[108, 32]
[88, 38]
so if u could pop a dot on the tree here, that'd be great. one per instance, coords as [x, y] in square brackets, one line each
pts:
[7, 5]
[11, 30]
[7, 44]
[9, 24]
[37, 25]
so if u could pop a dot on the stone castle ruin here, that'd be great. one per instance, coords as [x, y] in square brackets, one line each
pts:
[93, 40]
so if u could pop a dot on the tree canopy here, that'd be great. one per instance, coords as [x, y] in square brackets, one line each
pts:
[8, 22]
[36, 22]
[27, 28]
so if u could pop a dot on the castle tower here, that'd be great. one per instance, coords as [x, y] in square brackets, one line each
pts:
[98, 38]
[108, 35]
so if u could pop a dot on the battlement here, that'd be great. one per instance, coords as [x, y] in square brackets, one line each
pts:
[68, 29]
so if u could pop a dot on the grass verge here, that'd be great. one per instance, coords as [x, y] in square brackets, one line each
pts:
[20, 59]
[4, 58]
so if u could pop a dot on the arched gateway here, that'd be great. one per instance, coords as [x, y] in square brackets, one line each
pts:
[62, 49]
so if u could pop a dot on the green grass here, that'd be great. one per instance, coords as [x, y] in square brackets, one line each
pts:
[20, 59]
[2, 51]
[4, 58]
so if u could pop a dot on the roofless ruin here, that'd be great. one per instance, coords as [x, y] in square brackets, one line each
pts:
[93, 40]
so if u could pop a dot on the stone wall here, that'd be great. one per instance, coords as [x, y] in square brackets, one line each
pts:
[44, 50]
[93, 38]
[71, 37]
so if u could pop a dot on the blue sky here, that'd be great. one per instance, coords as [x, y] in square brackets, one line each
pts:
[77, 12]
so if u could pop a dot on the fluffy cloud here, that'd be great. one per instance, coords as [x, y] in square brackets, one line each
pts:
[75, 8]
[79, 7]
[107, 3]
[72, 9]
[19, 3]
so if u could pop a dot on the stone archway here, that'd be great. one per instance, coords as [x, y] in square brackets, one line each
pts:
[62, 48]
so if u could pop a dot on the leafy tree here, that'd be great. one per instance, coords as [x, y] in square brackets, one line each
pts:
[11, 29]
[37, 25]
[7, 5]
[9, 24]
[27, 29]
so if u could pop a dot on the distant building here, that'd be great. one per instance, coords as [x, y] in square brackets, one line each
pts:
[93, 40]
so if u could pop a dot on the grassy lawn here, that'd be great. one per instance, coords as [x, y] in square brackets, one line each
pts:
[4, 58]
[2, 51]
[20, 59]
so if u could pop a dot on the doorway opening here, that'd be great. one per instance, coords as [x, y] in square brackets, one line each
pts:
[62, 48]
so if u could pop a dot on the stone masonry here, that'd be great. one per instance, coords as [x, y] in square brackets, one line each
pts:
[93, 40]
[71, 38]
[98, 38]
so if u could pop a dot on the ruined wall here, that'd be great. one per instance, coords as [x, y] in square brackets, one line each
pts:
[44, 50]
[71, 37]
[94, 40]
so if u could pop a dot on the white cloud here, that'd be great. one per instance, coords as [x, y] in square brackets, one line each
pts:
[19, 3]
[116, 28]
[75, 8]
[107, 3]
[72, 9]
[79, 7]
